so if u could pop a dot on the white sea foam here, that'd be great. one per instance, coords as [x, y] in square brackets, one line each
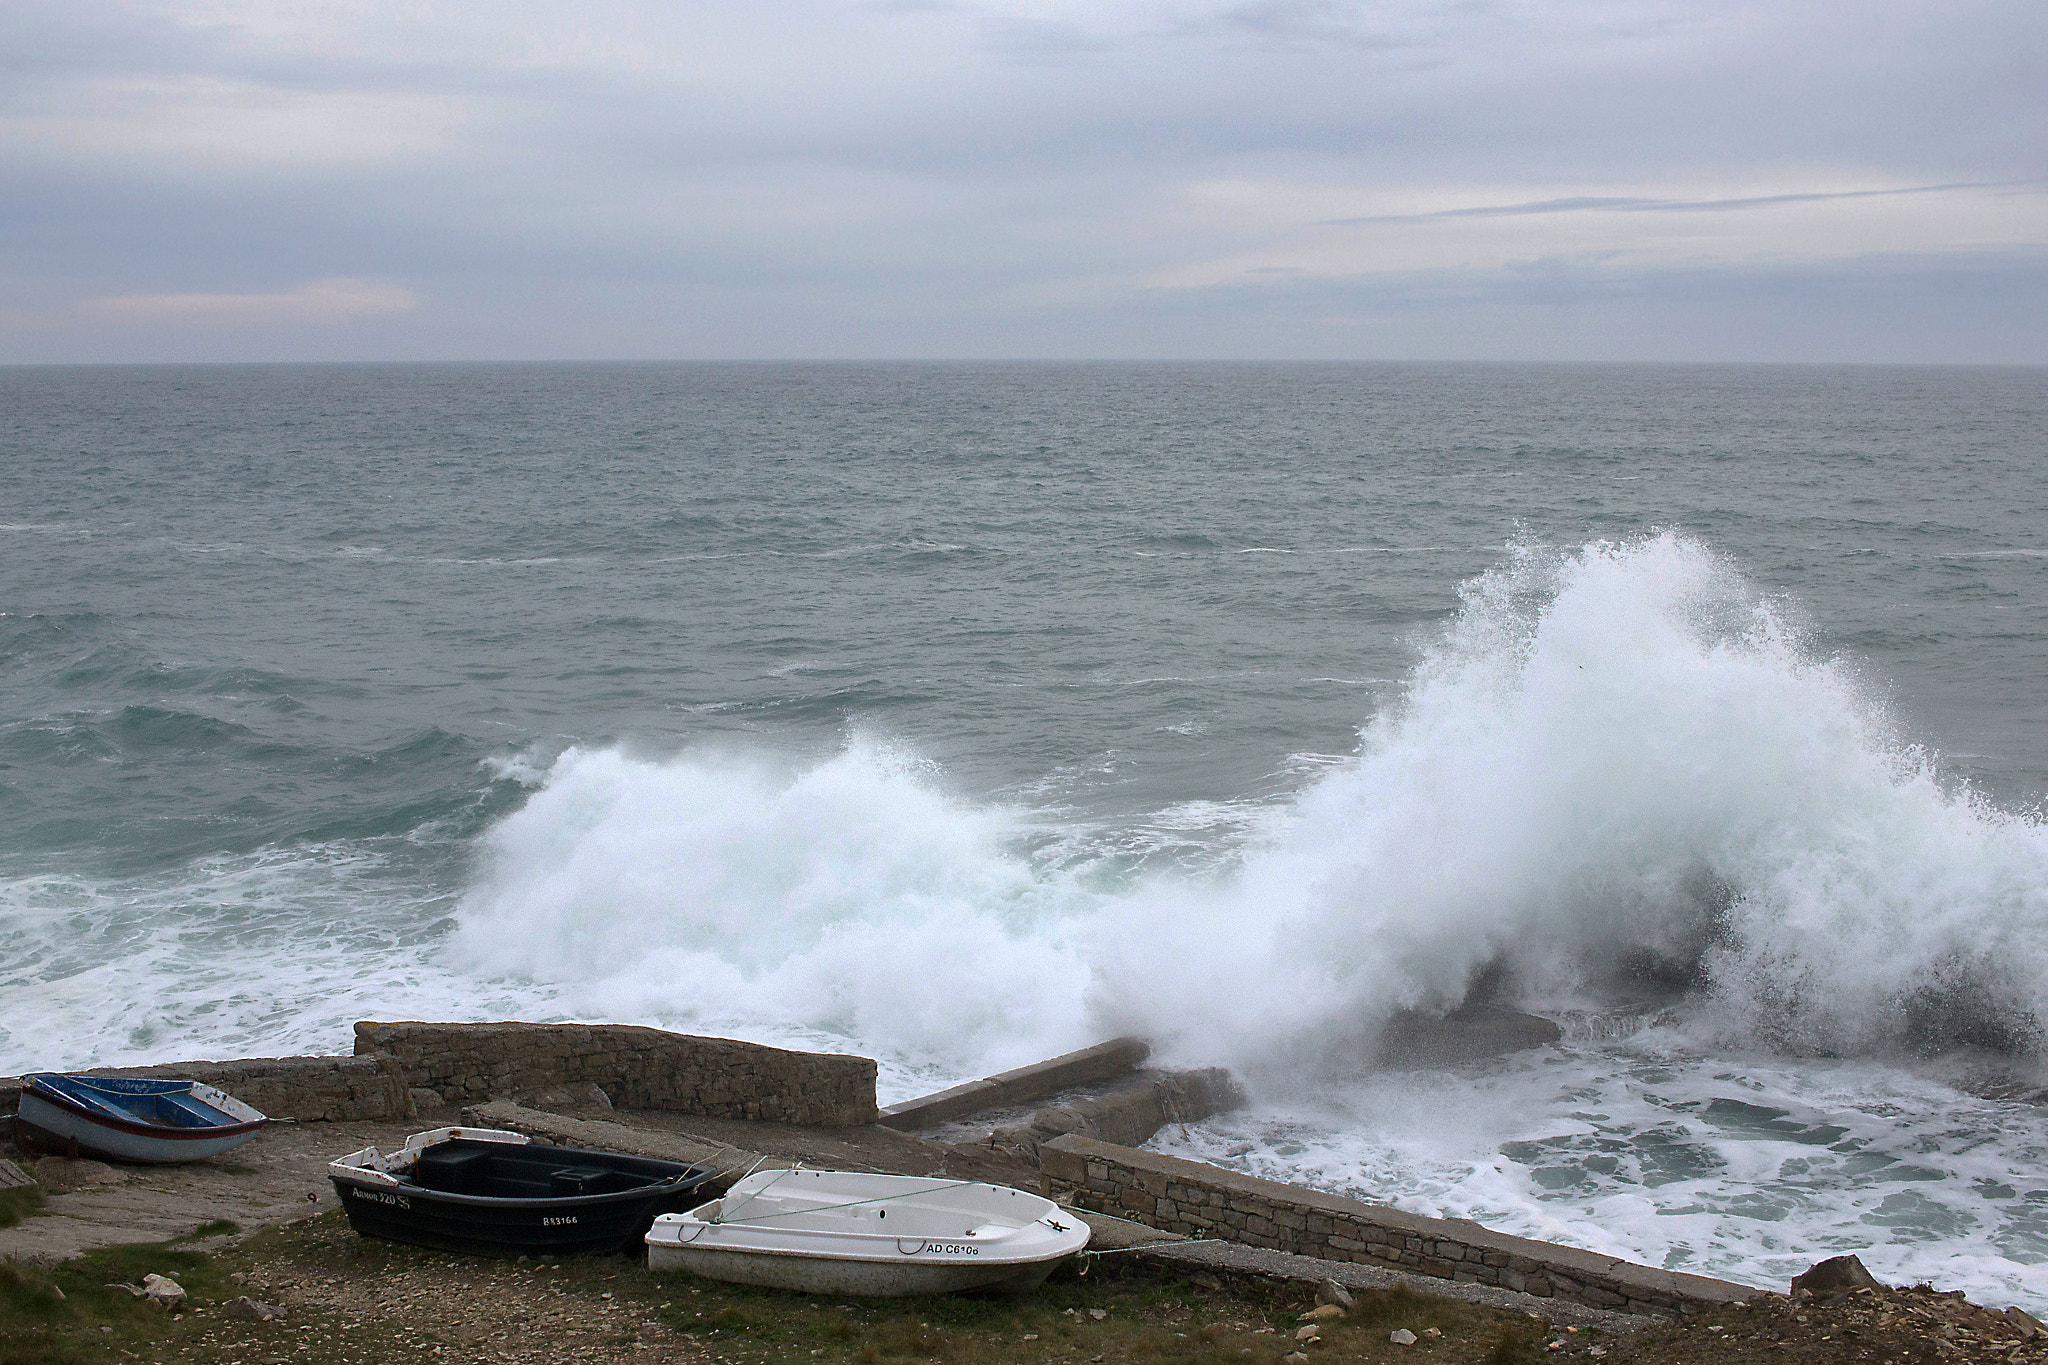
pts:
[264, 954]
[851, 898]
[1617, 769]
[1746, 1168]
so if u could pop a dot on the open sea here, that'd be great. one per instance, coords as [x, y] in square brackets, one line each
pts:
[960, 715]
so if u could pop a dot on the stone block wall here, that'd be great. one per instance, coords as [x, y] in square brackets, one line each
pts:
[1199, 1200]
[309, 1089]
[637, 1068]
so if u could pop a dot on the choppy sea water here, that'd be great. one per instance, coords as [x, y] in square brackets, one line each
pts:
[959, 715]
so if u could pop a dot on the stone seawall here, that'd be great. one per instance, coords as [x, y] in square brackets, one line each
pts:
[1200, 1200]
[637, 1068]
[308, 1089]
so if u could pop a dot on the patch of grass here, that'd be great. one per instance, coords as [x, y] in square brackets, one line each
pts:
[45, 1351]
[1392, 1308]
[27, 1292]
[212, 1227]
[1147, 1316]
[18, 1202]
[1515, 1346]
[86, 1278]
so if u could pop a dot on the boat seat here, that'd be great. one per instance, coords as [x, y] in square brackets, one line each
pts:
[571, 1181]
[187, 1112]
[92, 1099]
[451, 1171]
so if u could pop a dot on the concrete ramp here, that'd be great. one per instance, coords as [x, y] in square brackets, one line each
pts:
[1089, 1066]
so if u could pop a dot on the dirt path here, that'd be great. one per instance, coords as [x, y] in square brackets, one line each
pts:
[278, 1178]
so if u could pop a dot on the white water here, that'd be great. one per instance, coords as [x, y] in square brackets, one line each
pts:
[1618, 774]
[1613, 758]
[1617, 771]
[849, 899]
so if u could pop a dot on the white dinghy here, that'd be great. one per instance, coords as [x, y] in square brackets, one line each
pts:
[845, 1232]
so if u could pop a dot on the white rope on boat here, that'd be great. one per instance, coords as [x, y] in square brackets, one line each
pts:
[1086, 1256]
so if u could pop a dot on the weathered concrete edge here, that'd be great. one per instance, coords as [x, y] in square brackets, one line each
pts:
[1129, 1114]
[1238, 1259]
[637, 1068]
[1102, 1062]
[1562, 1272]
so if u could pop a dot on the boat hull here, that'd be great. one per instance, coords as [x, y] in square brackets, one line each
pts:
[875, 1279]
[494, 1225]
[46, 1128]
[849, 1232]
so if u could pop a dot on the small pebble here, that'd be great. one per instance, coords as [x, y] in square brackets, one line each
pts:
[1401, 1337]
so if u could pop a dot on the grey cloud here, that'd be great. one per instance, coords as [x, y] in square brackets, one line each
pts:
[1637, 205]
[1306, 21]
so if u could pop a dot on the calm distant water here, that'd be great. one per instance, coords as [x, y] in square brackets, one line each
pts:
[962, 713]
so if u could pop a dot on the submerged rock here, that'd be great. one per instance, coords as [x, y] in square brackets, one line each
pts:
[1412, 1038]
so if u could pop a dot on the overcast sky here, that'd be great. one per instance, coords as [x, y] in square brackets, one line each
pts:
[1466, 179]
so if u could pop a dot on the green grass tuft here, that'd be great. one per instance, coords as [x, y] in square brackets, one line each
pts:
[18, 1202]
[1515, 1346]
[212, 1227]
[29, 1293]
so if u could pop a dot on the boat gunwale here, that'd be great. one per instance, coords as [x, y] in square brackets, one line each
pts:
[494, 1201]
[33, 1088]
[864, 1255]
[342, 1171]
[1008, 1230]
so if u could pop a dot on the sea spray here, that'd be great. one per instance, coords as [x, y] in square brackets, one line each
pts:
[1618, 776]
[852, 897]
[1617, 773]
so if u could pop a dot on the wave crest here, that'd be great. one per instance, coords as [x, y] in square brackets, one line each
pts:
[1616, 778]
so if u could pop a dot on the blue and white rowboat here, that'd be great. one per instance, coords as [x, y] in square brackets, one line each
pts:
[130, 1118]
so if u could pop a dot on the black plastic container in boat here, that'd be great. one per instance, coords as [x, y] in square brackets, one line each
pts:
[495, 1193]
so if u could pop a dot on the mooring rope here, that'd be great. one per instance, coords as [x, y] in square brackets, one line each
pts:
[1156, 1246]
[1086, 1256]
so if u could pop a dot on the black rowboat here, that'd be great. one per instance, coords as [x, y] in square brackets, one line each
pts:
[489, 1192]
